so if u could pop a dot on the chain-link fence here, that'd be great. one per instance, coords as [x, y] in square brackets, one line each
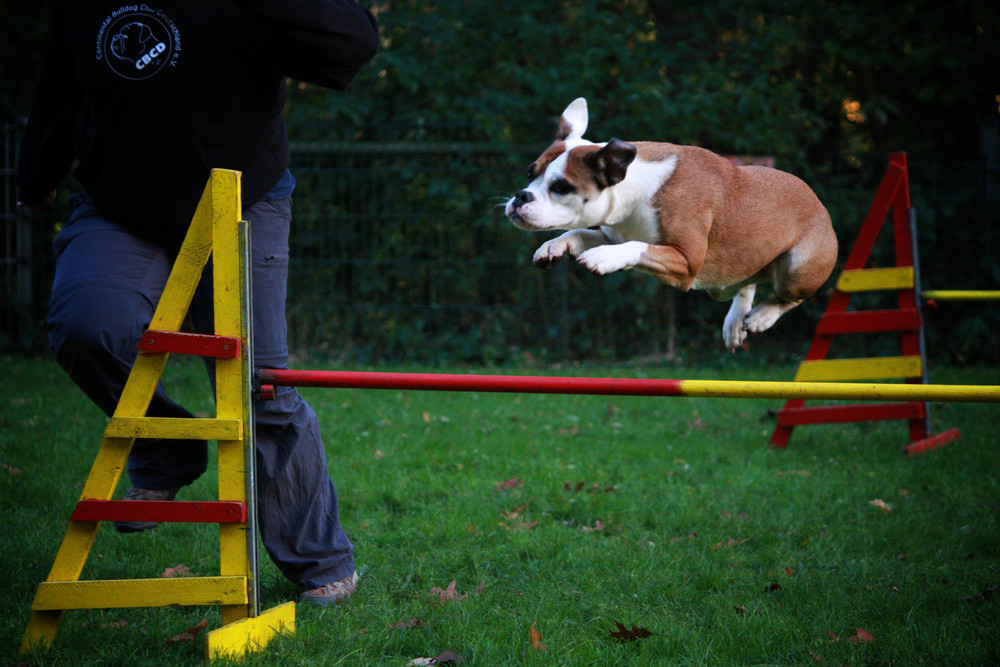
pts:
[400, 251]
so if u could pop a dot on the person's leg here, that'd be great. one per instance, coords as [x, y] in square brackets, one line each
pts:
[105, 288]
[297, 504]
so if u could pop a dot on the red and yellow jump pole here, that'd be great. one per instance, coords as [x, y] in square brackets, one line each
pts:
[855, 391]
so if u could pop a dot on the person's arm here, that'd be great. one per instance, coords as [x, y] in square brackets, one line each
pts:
[319, 41]
[47, 149]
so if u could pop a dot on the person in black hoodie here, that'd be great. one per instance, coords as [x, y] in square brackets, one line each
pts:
[147, 99]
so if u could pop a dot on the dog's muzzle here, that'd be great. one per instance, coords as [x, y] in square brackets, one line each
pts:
[514, 207]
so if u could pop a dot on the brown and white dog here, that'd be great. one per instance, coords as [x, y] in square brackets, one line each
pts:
[686, 216]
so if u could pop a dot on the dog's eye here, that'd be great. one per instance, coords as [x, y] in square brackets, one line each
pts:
[561, 186]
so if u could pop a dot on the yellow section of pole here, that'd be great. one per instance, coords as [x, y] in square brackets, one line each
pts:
[960, 295]
[848, 391]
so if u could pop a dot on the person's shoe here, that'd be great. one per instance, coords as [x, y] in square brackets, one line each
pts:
[143, 494]
[335, 591]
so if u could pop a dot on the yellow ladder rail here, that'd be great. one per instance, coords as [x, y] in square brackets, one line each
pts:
[216, 231]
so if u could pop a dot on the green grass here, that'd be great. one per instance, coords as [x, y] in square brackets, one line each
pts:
[685, 522]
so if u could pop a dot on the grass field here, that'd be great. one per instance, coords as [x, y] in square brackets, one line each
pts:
[562, 514]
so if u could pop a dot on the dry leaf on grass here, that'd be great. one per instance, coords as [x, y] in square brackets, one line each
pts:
[536, 639]
[630, 634]
[861, 636]
[450, 593]
[11, 469]
[409, 623]
[881, 504]
[508, 484]
[189, 634]
[176, 571]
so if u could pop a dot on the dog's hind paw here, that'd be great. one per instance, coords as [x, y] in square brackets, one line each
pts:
[733, 337]
[762, 317]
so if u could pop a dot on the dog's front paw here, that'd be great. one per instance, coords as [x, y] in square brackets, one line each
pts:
[610, 258]
[551, 252]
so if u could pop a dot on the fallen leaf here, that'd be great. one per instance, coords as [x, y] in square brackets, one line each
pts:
[509, 484]
[176, 571]
[379, 454]
[740, 610]
[189, 634]
[772, 588]
[816, 657]
[569, 431]
[692, 536]
[861, 637]
[450, 593]
[881, 504]
[11, 469]
[536, 639]
[789, 571]
[630, 634]
[427, 417]
[513, 514]
[409, 623]
[598, 526]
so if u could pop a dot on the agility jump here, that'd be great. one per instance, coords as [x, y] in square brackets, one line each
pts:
[217, 230]
[631, 386]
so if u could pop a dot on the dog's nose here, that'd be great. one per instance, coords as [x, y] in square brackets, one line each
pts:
[522, 198]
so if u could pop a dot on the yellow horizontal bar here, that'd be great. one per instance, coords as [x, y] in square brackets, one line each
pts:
[870, 368]
[235, 640]
[841, 391]
[172, 427]
[120, 593]
[869, 280]
[961, 295]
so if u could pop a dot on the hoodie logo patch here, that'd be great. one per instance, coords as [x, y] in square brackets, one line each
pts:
[138, 41]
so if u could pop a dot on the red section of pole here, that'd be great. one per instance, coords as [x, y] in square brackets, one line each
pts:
[484, 383]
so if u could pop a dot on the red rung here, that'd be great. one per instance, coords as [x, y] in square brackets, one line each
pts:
[204, 345]
[869, 321]
[824, 414]
[216, 511]
[932, 442]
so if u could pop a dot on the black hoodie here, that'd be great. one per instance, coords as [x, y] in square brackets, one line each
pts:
[149, 97]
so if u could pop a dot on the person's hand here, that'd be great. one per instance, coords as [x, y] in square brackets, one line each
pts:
[40, 205]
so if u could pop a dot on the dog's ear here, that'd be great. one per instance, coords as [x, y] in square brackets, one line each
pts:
[573, 122]
[610, 162]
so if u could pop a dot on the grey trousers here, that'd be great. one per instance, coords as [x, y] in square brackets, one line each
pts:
[107, 284]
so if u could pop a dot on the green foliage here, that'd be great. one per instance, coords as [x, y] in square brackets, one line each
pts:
[754, 77]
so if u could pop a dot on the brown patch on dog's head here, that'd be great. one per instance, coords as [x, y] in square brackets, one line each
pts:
[602, 166]
[545, 159]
